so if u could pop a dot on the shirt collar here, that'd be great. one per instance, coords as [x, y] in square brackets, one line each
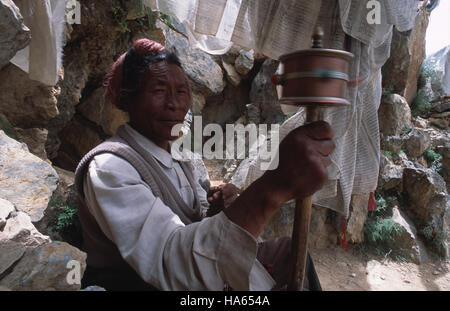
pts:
[164, 157]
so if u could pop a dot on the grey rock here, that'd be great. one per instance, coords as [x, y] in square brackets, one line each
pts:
[394, 115]
[406, 242]
[99, 110]
[391, 175]
[14, 35]
[244, 62]
[439, 79]
[27, 181]
[35, 138]
[198, 65]
[392, 144]
[45, 268]
[10, 253]
[19, 229]
[429, 203]
[402, 69]
[6, 208]
[416, 142]
[263, 95]
[232, 75]
[26, 103]
[93, 288]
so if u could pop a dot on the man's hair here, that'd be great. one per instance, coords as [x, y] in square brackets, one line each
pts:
[124, 81]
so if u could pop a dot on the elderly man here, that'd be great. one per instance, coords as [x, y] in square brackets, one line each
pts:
[144, 215]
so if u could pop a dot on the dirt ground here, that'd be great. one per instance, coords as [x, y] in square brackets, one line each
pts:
[341, 270]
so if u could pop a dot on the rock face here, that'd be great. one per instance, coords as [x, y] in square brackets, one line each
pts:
[263, 96]
[201, 69]
[98, 109]
[394, 115]
[391, 175]
[35, 139]
[14, 35]
[402, 69]
[27, 181]
[46, 267]
[416, 142]
[244, 62]
[406, 242]
[438, 80]
[428, 204]
[26, 103]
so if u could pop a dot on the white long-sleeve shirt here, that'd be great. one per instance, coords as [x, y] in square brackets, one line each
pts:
[152, 239]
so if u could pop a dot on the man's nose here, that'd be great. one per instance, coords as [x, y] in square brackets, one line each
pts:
[171, 100]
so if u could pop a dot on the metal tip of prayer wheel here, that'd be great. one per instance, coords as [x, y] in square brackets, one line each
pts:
[317, 38]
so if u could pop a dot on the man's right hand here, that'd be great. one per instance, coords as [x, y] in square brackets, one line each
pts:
[303, 160]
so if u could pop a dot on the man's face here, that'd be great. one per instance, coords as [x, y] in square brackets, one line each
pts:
[163, 102]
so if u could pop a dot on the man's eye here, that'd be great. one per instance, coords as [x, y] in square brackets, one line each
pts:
[158, 90]
[182, 92]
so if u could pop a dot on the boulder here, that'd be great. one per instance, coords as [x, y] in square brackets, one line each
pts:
[428, 203]
[244, 62]
[35, 139]
[401, 71]
[391, 175]
[47, 267]
[98, 109]
[263, 95]
[10, 253]
[27, 181]
[392, 144]
[416, 142]
[6, 208]
[24, 102]
[438, 77]
[355, 226]
[232, 75]
[406, 242]
[394, 115]
[14, 35]
[79, 138]
[202, 70]
[19, 229]
[198, 103]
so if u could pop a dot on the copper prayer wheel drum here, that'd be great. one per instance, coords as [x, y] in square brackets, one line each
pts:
[314, 76]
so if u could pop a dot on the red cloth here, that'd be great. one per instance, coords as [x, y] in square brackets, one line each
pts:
[113, 79]
[372, 203]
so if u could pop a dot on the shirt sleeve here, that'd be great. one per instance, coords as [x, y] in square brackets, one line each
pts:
[153, 240]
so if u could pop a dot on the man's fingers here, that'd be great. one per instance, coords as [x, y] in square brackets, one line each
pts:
[324, 147]
[319, 130]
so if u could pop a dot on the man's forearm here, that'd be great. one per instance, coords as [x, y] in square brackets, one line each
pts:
[253, 209]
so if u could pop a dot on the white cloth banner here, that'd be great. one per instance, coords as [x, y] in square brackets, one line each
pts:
[42, 57]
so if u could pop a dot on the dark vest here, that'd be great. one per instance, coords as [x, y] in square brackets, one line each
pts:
[105, 265]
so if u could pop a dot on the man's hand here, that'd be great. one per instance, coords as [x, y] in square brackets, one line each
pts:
[220, 197]
[304, 158]
[302, 170]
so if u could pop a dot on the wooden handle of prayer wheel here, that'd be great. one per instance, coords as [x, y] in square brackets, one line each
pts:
[300, 243]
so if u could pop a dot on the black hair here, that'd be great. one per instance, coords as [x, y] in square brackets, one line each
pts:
[134, 67]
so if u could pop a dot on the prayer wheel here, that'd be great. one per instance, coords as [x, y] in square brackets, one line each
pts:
[315, 78]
